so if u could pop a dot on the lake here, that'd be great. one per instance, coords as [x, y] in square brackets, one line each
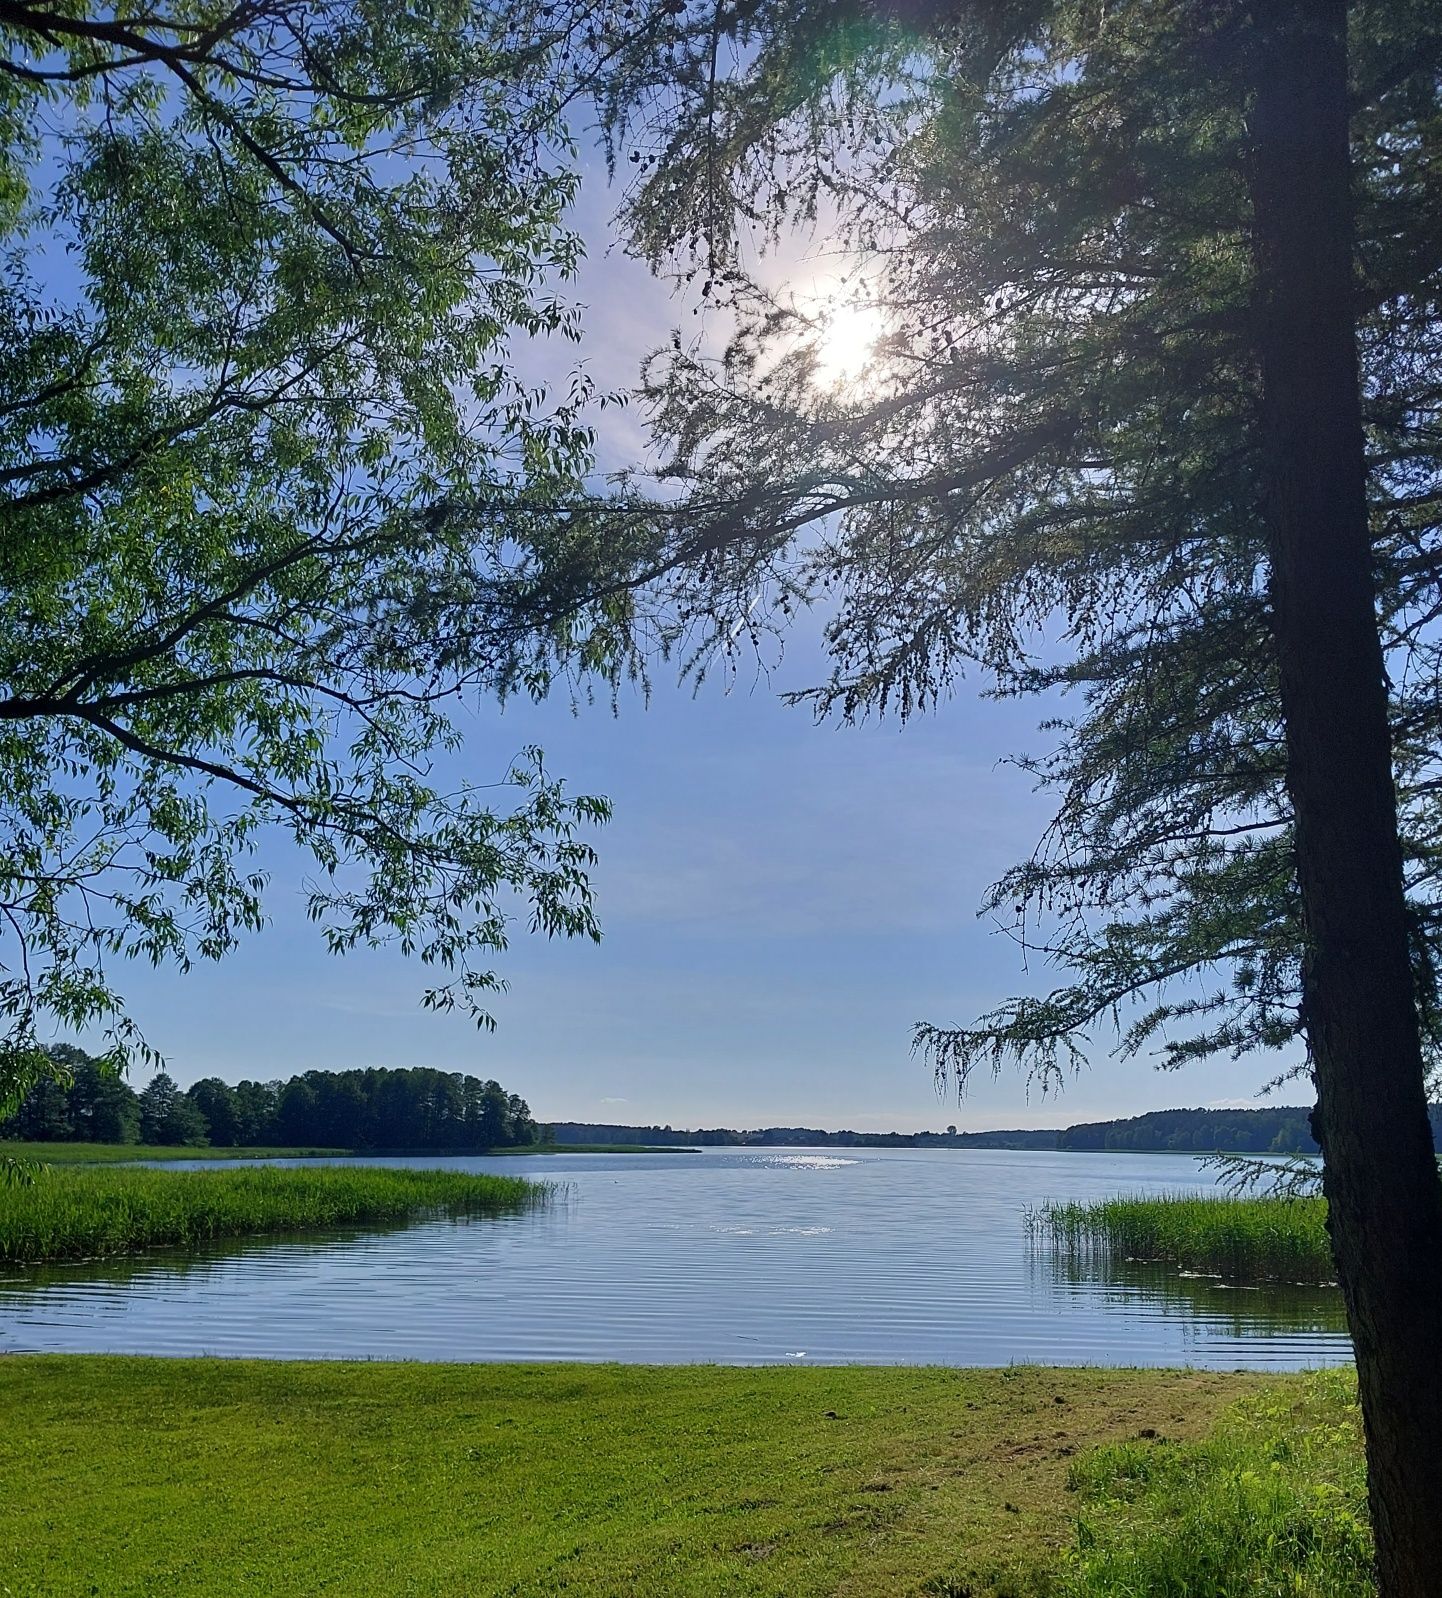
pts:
[732, 1256]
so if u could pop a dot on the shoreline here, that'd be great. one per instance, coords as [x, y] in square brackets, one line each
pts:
[59, 1153]
[132, 1153]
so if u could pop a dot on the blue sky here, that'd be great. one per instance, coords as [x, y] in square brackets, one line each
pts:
[781, 900]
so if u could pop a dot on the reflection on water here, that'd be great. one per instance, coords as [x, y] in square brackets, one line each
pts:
[125, 1270]
[737, 1256]
[1239, 1310]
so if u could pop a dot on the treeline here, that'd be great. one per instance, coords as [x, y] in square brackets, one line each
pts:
[416, 1108]
[1279, 1129]
[420, 1108]
[1283, 1130]
[563, 1132]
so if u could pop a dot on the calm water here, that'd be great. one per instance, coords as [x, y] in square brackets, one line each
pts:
[733, 1256]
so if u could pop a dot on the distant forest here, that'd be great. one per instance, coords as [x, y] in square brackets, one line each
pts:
[420, 1108]
[371, 1109]
[1282, 1129]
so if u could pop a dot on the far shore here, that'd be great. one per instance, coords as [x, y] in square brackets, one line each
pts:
[110, 1153]
[58, 1153]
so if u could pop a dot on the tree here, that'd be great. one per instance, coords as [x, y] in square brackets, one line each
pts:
[77, 1098]
[342, 1111]
[1359, 1006]
[103, 1108]
[216, 1102]
[491, 1129]
[1155, 419]
[520, 1126]
[263, 471]
[295, 1114]
[255, 1112]
[167, 1116]
[43, 1115]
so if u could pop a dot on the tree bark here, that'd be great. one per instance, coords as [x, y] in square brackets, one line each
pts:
[1380, 1176]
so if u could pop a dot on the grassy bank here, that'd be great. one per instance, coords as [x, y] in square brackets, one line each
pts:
[78, 1212]
[211, 1477]
[128, 1153]
[1272, 1502]
[1247, 1239]
[597, 1148]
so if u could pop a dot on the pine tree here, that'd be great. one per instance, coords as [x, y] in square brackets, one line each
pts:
[167, 1116]
[1155, 422]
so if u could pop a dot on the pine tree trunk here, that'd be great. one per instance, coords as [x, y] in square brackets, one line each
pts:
[1381, 1180]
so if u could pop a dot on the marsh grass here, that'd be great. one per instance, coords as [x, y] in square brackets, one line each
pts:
[33, 1154]
[1241, 1239]
[128, 1153]
[80, 1212]
[592, 1148]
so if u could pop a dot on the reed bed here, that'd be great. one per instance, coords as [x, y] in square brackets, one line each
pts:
[1242, 1239]
[128, 1153]
[80, 1212]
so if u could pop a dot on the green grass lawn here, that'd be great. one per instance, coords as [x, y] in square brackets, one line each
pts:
[162, 1477]
[1271, 1503]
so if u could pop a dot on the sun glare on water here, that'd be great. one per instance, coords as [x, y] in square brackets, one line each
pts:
[846, 342]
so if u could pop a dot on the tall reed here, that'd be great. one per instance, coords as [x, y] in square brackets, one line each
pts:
[79, 1212]
[129, 1153]
[1244, 1239]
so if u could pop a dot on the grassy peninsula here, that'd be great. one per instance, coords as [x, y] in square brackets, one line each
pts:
[130, 1153]
[1243, 1239]
[593, 1148]
[76, 1212]
[208, 1477]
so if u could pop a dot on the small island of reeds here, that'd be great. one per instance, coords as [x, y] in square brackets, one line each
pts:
[1242, 1239]
[80, 1212]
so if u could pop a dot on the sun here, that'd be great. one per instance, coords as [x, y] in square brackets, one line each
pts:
[846, 341]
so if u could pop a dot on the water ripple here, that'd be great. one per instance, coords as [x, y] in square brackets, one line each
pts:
[897, 1257]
